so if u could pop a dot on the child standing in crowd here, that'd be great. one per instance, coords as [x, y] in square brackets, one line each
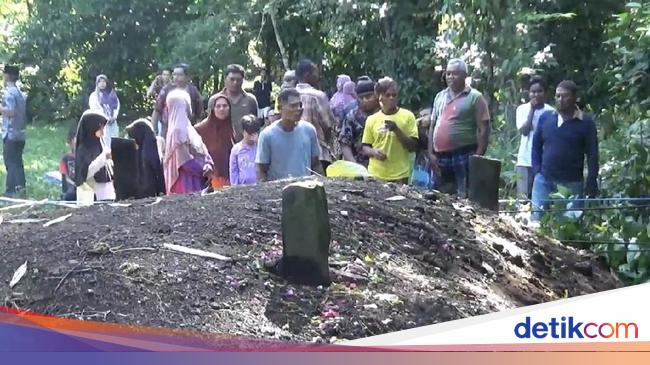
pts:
[93, 163]
[151, 178]
[422, 176]
[66, 168]
[242, 155]
[390, 136]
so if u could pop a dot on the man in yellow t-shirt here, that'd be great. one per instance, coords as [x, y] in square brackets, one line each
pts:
[390, 136]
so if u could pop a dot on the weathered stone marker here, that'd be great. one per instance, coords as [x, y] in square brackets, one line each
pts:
[306, 233]
[484, 181]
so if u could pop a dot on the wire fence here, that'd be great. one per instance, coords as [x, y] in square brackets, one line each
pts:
[604, 200]
[574, 209]
[593, 242]
[606, 205]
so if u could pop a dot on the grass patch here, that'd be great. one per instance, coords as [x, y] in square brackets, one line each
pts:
[44, 148]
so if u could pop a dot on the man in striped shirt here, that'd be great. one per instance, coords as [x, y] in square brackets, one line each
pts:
[316, 109]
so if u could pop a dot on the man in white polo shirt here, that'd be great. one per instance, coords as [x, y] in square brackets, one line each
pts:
[527, 117]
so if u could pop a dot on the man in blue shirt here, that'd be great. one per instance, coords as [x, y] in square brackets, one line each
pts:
[13, 133]
[288, 147]
[561, 142]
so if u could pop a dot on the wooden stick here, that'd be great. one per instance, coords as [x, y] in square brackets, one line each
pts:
[114, 251]
[57, 220]
[26, 221]
[195, 252]
[65, 277]
[27, 202]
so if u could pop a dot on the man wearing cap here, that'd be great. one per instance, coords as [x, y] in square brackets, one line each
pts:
[13, 133]
[459, 128]
[350, 130]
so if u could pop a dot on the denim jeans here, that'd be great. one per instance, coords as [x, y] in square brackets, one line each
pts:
[454, 170]
[12, 153]
[543, 187]
[524, 182]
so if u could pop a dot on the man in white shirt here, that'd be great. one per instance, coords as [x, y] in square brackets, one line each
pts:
[527, 118]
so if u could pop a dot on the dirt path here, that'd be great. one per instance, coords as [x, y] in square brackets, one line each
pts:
[396, 264]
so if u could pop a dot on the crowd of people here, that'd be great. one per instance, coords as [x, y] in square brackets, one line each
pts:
[249, 138]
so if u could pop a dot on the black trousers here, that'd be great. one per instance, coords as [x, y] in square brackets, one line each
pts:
[12, 153]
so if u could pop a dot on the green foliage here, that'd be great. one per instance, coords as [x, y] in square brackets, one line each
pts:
[114, 37]
[624, 149]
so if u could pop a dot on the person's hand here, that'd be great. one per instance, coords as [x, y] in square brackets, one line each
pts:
[207, 170]
[433, 164]
[109, 155]
[390, 125]
[378, 155]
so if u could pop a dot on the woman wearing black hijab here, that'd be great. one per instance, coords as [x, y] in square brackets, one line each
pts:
[93, 164]
[151, 178]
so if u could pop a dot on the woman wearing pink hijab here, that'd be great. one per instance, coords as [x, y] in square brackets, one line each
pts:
[187, 160]
[344, 94]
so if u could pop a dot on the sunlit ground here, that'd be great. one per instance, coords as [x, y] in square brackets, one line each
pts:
[43, 150]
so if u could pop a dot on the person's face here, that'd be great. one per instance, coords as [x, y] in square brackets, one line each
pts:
[564, 99]
[100, 133]
[368, 102]
[250, 138]
[389, 99]
[234, 81]
[102, 84]
[166, 76]
[221, 109]
[180, 78]
[314, 77]
[263, 74]
[455, 77]
[289, 79]
[537, 94]
[292, 109]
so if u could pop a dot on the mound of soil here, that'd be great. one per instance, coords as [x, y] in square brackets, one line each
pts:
[395, 264]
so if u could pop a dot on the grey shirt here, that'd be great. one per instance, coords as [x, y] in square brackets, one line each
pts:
[288, 154]
[13, 128]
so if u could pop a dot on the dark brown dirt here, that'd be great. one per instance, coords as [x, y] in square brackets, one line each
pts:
[395, 264]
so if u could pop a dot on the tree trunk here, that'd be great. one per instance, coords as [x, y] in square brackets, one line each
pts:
[306, 233]
[30, 9]
[283, 51]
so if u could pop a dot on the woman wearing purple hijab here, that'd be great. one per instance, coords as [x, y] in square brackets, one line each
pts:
[343, 96]
[105, 100]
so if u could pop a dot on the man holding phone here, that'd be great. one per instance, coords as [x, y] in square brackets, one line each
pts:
[390, 137]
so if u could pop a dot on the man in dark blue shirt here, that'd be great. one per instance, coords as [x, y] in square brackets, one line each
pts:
[560, 144]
